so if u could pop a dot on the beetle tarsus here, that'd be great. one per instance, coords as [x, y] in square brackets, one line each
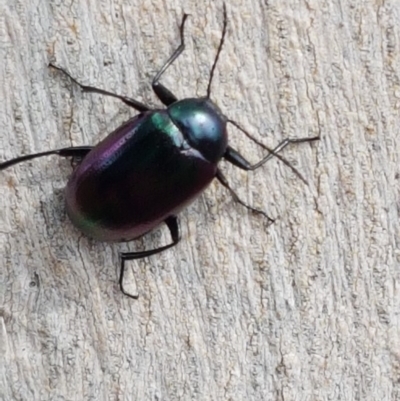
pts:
[221, 178]
[238, 160]
[172, 223]
[85, 88]
[164, 94]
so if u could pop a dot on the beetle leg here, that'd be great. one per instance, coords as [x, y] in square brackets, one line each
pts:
[77, 151]
[234, 157]
[221, 178]
[173, 226]
[164, 94]
[127, 100]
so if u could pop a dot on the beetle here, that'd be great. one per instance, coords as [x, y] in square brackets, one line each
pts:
[147, 170]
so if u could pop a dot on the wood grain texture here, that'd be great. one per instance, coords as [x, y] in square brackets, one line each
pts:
[307, 309]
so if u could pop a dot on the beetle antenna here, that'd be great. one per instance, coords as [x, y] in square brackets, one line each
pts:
[221, 42]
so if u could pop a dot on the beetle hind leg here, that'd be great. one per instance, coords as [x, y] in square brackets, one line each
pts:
[173, 226]
[77, 152]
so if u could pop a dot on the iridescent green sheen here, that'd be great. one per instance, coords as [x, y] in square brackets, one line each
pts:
[146, 170]
[203, 125]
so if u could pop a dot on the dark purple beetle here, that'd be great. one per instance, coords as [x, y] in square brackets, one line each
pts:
[146, 171]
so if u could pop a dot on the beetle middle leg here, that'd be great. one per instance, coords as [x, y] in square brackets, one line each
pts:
[173, 226]
[85, 88]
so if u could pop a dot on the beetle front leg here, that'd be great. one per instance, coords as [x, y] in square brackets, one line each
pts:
[164, 94]
[173, 226]
[234, 157]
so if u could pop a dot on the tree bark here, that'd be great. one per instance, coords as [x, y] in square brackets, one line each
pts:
[304, 309]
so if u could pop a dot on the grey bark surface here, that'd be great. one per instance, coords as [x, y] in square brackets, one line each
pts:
[306, 309]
